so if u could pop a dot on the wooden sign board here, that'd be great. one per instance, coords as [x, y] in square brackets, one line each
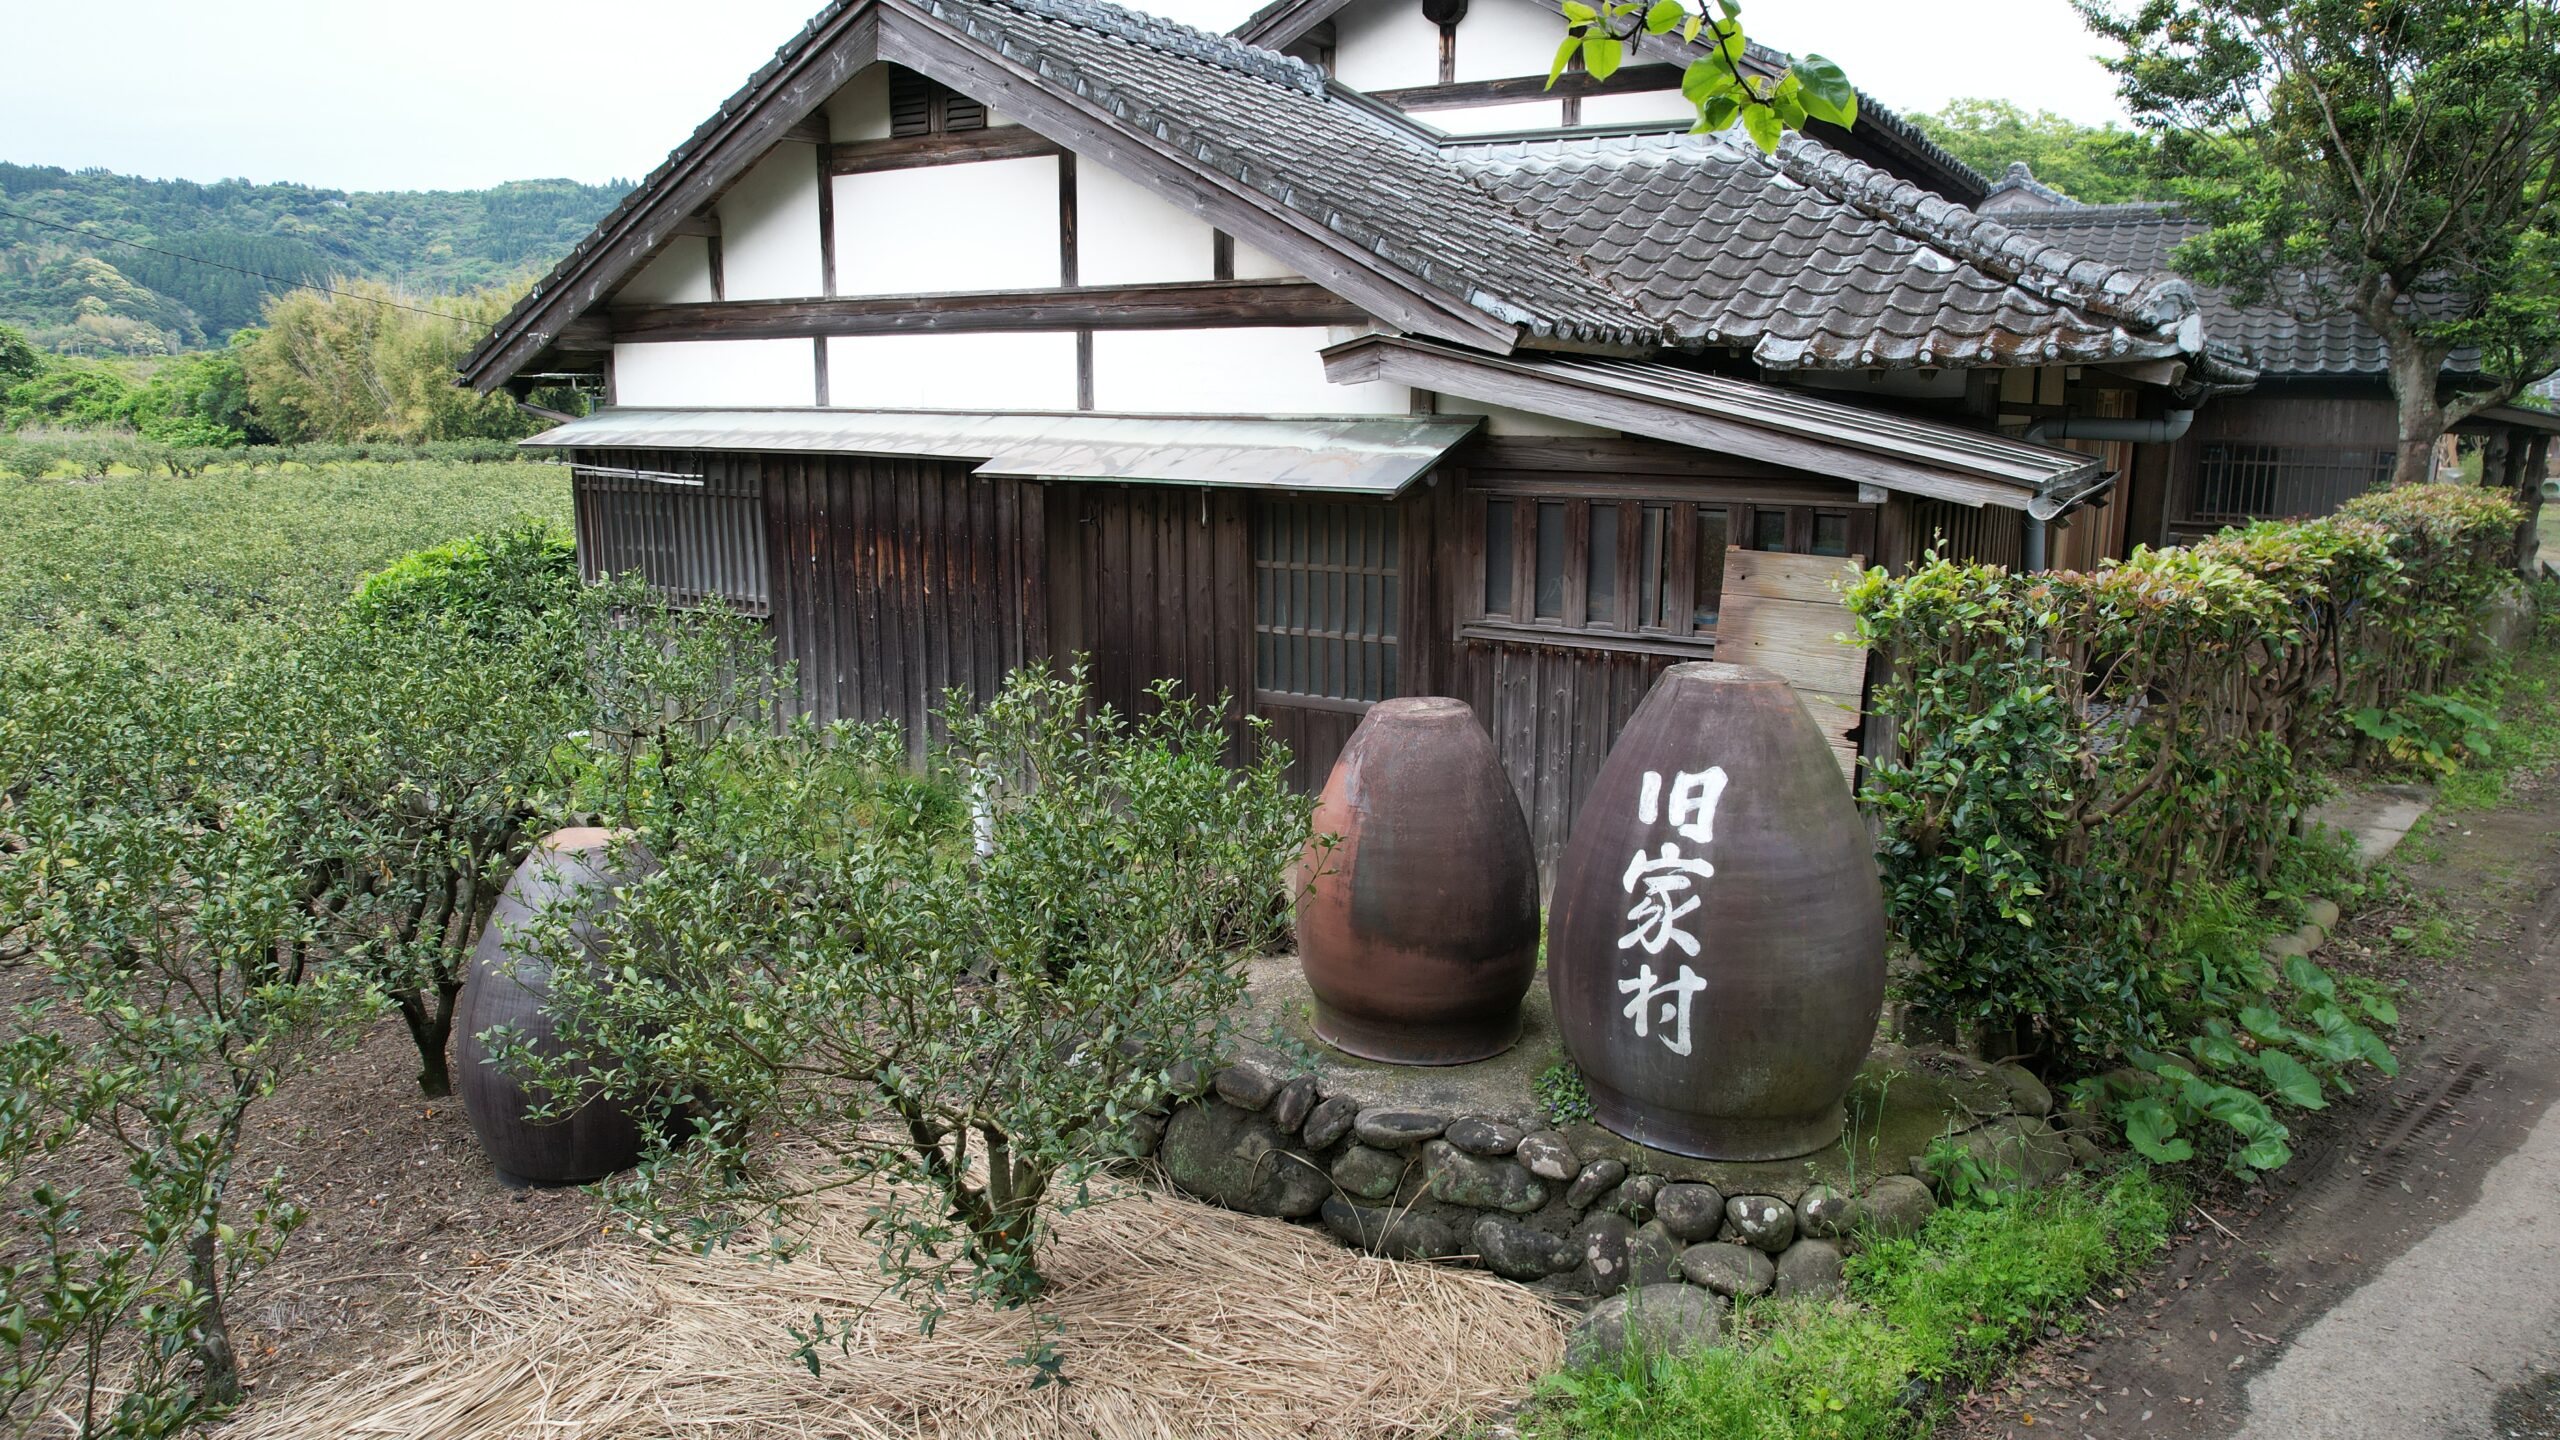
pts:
[1784, 612]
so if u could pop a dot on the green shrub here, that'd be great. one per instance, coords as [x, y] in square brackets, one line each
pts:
[1932, 1311]
[486, 583]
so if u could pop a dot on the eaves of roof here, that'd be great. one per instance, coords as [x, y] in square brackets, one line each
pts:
[1765, 422]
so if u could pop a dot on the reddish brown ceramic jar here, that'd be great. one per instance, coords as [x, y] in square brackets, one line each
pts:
[1715, 940]
[1419, 931]
[504, 987]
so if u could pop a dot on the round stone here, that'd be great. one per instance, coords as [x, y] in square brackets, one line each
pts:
[1480, 1183]
[1369, 1174]
[1826, 1213]
[1396, 1129]
[1396, 1234]
[1328, 1122]
[1763, 1222]
[1728, 1269]
[1651, 1320]
[1516, 1252]
[1483, 1135]
[1897, 1205]
[1597, 1178]
[2027, 1094]
[1289, 1108]
[1691, 1212]
[1811, 1269]
[1548, 1156]
[1248, 1084]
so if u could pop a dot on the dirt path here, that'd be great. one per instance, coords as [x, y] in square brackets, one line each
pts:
[2402, 1277]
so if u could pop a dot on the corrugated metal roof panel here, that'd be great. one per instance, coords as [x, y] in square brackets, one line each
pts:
[1364, 455]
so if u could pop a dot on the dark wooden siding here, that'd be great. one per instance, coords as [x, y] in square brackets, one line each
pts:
[2310, 418]
[691, 541]
[897, 580]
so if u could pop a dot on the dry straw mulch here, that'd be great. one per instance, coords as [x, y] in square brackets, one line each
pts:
[1180, 1320]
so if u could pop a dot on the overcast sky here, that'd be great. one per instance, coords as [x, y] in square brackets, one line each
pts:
[464, 93]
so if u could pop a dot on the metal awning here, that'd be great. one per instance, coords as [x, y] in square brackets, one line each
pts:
[1365, 455]
[1736, 417]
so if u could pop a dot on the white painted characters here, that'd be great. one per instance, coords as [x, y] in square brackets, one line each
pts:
[1674, 1017]
[1668, 880]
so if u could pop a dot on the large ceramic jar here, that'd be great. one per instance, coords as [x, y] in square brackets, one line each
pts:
[1715, 940]
[1419, 927]
[507, 987]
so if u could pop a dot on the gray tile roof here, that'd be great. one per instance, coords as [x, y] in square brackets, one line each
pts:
[1272, 123]
[1811, 260]
[2297, 340]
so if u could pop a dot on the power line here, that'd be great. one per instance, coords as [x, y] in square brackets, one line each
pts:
[236, 269]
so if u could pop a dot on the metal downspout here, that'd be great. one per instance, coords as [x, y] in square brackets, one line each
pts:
[2165, 430]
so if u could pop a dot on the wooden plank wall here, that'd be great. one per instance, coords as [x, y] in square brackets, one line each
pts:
[1153, 581]
[896, 580]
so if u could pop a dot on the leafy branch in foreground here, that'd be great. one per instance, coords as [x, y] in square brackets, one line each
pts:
[1723, 83]
[956, 992]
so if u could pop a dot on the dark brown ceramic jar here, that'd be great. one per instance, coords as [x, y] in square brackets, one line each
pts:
[1419, 931]
[504, 987]
[1715, 940]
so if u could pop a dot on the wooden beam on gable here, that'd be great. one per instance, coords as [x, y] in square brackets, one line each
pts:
[925, 44]
[1010, 142]
[848, 42]
[1177, 306]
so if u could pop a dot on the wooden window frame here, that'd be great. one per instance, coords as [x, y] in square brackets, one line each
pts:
[1628, 632]
[1379, 643]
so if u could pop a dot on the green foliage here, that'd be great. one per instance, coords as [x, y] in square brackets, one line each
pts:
[18, 359]
[2397, 163]
[491, 585]
[91, 296]
[1934, 1310]
[141, 559]
[1562, 1094]
[968, 1012]
[358, 367]
[2093, 164]
[2083, 761]
[1727, 89]
[75, 394]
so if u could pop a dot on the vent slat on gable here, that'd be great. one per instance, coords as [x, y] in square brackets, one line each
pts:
[920, 106]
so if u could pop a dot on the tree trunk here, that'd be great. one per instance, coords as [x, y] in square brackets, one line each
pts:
[2530, 469]
[2414, 370]
[429, 1030]
[210, 1336]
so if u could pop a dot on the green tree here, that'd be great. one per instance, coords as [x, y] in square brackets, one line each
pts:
[2400, 162]
[1727, 85]
[971, 1016]
[375, 363]
[2093, 164]
[18, 359]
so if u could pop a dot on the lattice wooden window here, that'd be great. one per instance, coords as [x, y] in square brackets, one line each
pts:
[1642, 573]
[690, 542]
[2281, 482]
[919, 106]
[1325, 601]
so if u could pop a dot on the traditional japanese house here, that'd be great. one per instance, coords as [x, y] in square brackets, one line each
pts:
[2320, 426]
[975, 332]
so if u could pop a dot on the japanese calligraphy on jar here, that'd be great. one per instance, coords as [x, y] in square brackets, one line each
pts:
[1715, 945]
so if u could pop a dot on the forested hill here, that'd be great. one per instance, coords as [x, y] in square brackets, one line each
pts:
[82, 296]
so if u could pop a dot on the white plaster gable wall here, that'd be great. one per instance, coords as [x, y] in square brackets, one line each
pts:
[1253, 264]
[1503, 38]
[716, 372]
[990, 225]
[1641, 105]
[1387, 45]
[1247, 371]
[1491, 119]
[1015, 371]
[860, 111]
[680, 275]
[1126, 236]
[769, 229]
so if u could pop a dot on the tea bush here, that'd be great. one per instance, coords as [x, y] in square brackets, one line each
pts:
[2080, 759]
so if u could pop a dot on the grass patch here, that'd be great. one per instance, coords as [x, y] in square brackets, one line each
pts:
[1926, 1316]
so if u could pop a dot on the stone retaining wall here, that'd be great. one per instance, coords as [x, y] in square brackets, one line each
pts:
[1575, 1211]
